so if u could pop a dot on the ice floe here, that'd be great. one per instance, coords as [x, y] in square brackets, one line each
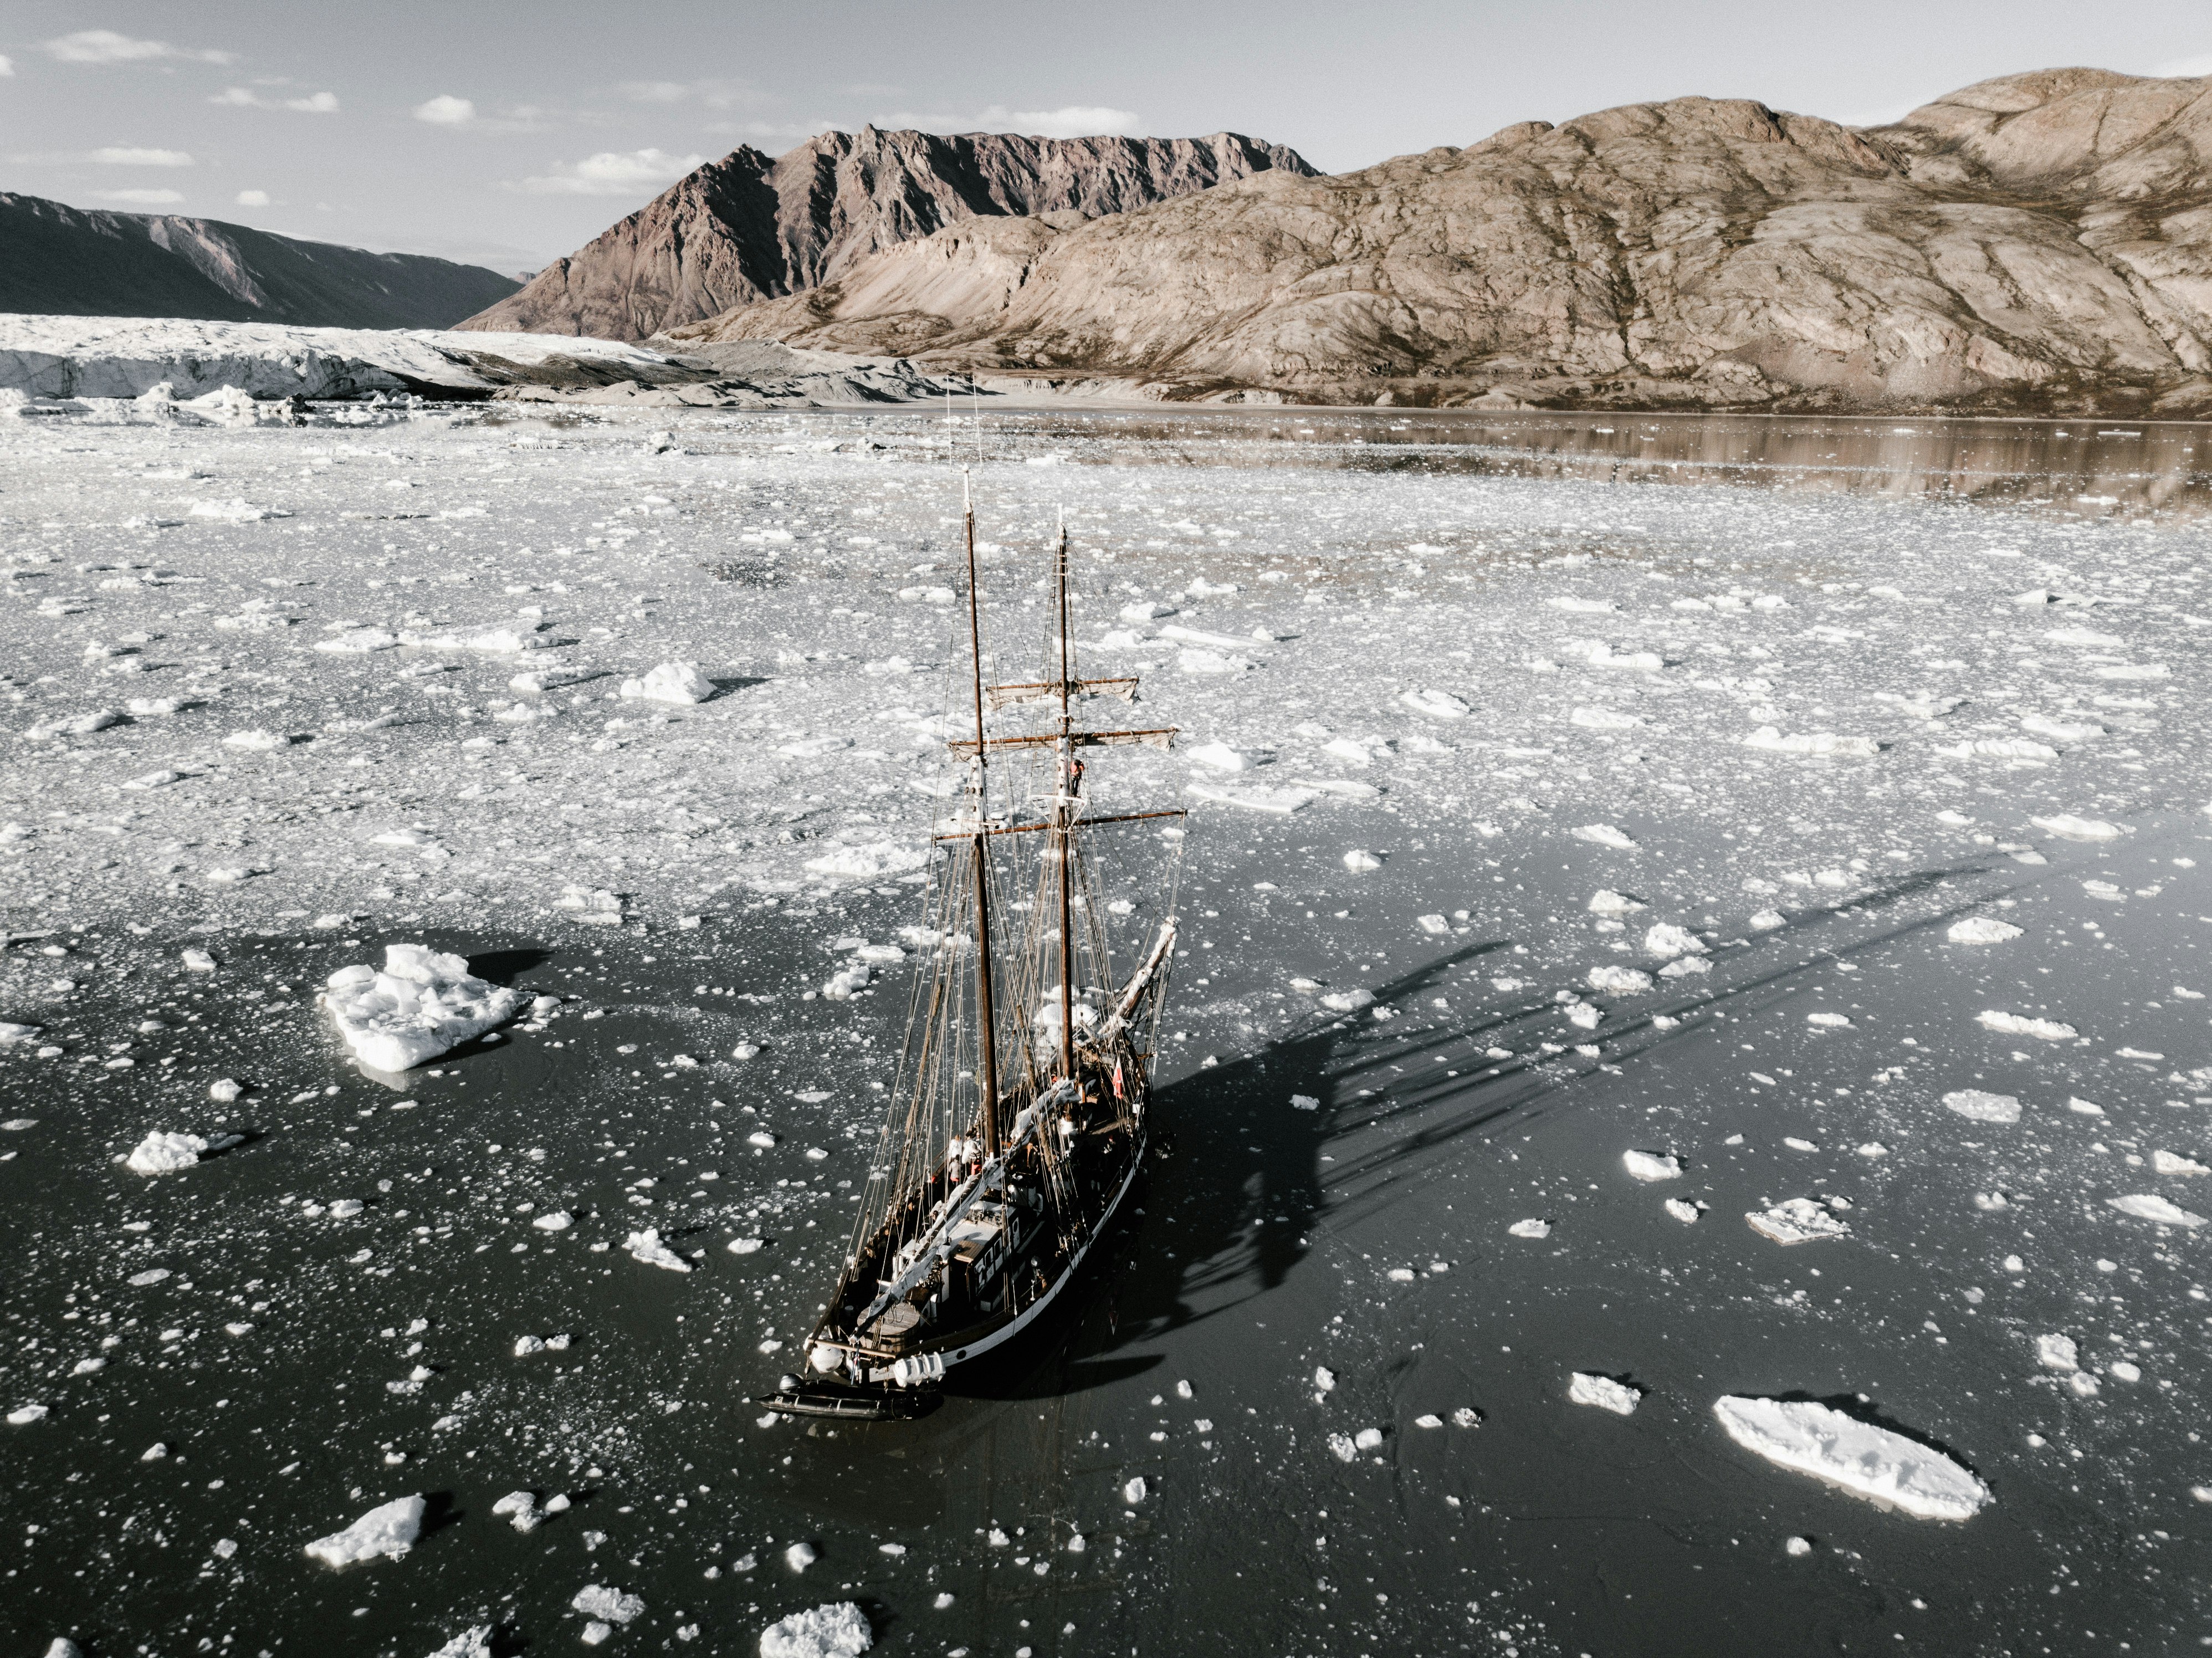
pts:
[1651, 1165]
[421, 1004]
[647, 1247]
[1869, 1461]
[671, 681]
[1796, 1220]
[1982, 930]
[388, 1531]
[1621, 1398]
[839, 1630]
[2145, 1206]
[1983, 1106]
[2018, 1024]
[162, 1153]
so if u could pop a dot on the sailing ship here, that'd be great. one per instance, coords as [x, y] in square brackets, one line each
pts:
[1019, 1117]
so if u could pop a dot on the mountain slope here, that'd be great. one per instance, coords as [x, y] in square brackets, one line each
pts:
[2041, 240]
[66, 261]
[748, 227]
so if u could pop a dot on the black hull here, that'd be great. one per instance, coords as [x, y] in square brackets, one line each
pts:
[845, 1403]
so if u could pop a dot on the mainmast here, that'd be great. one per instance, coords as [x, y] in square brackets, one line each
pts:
[1065, 811]
[987, 1070]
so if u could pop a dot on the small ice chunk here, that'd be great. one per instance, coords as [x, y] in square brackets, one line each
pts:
[1604, 902]
[161, 1153]
[873, 861]
[647, 1247]
[1324, 1379]
[1866, 1461]
[23, 1415]
[1431, 1420]
[1769, 738]
[2057, 1353]
[1651, 1165]
[1360, 862]
[198, 961]
[388, 1530]
[1767, 920]
[671, 681]
[1620, 980]
[1666, 940]
[1686, 1213]
[520, 1509]
[1798, 1547]
[1530, 1228]
[2169, 1163]
[1347, 1001]
[1586, 1388]
[554, 1220]
[1796, 1220]
[474, 1642]
[524, 1346]
[2067, 827]
[1218, 757]
[2016, 1024]
[1435, 704]
[609, 1605]
[2145, 1206]
[1604, 834]
[1134, 1491]
[1982, 930]
[1436, 925]
[838, 1630]
[746, 1246]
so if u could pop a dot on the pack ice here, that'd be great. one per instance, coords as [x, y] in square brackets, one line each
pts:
[423, 1003]
[1871, 1462]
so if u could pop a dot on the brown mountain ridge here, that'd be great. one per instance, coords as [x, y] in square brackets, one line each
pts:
[2039, 242]
[750, 228]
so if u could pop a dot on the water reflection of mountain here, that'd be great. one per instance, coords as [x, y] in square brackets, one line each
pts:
[2081, 468]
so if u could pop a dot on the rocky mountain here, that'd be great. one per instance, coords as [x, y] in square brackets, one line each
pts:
[66, 261]
[749, 228]
[2041, 241]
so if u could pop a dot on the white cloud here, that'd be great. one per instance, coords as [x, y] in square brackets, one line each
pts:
[252, 198]
[132, 155]
[7, 66]
[107, 46]
[320, 103]
[2188, 67]
[447, 111]
[612, 172]
[141, 197]
[1069, 121]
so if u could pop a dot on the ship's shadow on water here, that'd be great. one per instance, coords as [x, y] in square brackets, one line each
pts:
[1240, 1177]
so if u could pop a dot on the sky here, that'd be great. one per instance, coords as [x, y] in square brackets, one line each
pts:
[507, 134]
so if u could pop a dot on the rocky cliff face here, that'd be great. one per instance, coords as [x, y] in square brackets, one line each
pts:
[2040, 241]
[64, 261]
[748, 227]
